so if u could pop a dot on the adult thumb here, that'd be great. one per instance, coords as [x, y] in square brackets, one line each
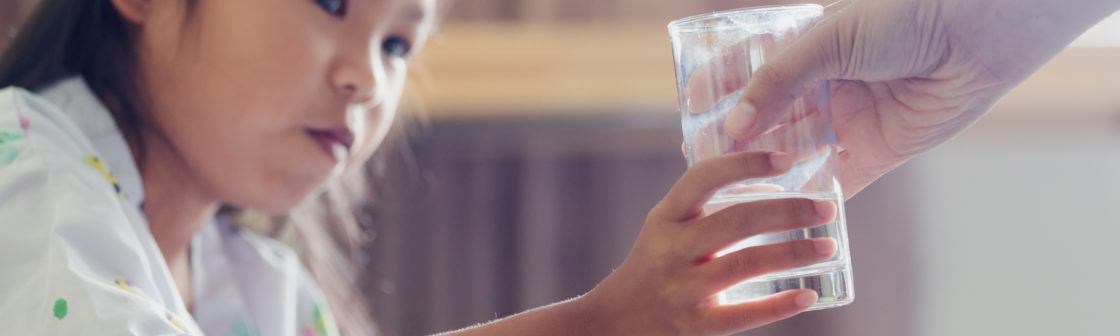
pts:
[782, 79]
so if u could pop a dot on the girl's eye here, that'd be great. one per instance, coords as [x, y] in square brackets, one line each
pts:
[396, 46]
[333, 7]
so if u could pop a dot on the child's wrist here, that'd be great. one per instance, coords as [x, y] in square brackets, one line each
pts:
[594, 315]
[582, 315]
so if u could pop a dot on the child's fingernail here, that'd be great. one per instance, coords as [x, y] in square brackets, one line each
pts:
[824, 246]
[824, 209]
[740, 119]
[780, 161]
[806, 299]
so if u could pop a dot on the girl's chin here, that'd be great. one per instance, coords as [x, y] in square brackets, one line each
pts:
[282, 191]
[283, 202]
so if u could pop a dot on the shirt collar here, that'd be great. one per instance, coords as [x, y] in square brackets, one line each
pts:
[74, 98]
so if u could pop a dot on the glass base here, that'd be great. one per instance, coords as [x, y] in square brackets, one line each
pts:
[832, 282]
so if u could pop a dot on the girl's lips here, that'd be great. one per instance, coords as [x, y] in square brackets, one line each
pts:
[335, 142]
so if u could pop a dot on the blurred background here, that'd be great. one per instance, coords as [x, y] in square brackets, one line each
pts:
[538, 134]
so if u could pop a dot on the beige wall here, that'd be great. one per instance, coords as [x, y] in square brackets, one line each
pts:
[1019, 225]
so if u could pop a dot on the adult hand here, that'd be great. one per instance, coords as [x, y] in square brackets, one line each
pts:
[907, 75]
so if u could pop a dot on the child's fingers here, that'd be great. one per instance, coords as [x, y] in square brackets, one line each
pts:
[687, 197]
[744, 220]
[754, 261]
[735, 318]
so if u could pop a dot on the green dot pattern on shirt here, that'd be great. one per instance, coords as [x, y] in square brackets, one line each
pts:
[241, 328]
[60, 308]
[320, 325]
[8, 150]
[8, 137]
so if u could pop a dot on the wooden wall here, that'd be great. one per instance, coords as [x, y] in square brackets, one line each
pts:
[511, 58]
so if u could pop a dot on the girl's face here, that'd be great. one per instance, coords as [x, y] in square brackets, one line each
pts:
[261, 101]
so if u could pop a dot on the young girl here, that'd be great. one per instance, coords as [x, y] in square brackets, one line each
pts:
[125, 126]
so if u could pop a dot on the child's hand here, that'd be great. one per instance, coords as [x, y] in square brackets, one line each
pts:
[667, 285]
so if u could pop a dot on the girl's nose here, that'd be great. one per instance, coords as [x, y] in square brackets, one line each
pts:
[357, 77]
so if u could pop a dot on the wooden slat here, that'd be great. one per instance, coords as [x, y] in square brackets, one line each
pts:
[489, 70]
[1079, 84]
[493, 70]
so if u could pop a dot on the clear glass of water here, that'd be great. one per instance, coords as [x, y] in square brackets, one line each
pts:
[715, 56]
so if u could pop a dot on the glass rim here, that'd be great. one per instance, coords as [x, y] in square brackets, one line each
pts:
[688, 24]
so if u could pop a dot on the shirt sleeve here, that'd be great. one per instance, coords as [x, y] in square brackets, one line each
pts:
[68, 256]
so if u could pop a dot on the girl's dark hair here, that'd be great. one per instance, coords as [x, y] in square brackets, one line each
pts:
[89, 38]
[64, 38]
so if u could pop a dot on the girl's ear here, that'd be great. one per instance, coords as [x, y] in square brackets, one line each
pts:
[135, 11]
